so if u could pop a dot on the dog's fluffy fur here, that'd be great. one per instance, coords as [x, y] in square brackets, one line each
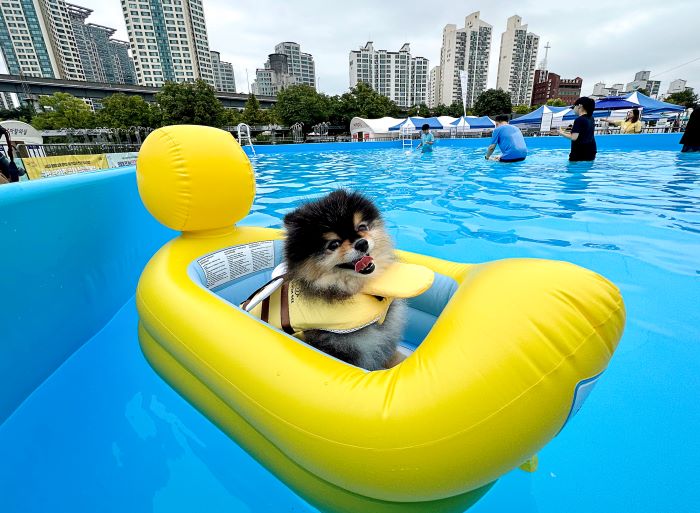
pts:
[325, 234]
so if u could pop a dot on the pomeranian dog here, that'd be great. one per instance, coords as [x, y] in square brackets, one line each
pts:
[333, 246]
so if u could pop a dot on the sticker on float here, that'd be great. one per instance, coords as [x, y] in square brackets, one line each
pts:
[583, 388]
[232, 263]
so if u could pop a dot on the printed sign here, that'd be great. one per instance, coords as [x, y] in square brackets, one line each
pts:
[121, 159]
[232, 263]
[46, 167]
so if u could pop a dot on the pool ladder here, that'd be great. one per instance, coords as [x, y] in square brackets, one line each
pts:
[244, 133]
[406, 137]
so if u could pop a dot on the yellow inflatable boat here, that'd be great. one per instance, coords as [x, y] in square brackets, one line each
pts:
[505, 351]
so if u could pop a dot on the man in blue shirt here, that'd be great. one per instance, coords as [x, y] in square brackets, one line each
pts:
[509, 140]
[426, 138]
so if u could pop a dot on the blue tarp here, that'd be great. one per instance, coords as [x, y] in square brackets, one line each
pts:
[434, 123]
[535, 117]
[474, 122]
[652, 106]
[613, 103]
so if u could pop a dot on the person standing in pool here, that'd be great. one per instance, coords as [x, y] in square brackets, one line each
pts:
[510, 141]
[691, 136]
[582, 136]
[426, 139]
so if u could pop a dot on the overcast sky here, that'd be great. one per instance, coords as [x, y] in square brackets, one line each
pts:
[596, 42]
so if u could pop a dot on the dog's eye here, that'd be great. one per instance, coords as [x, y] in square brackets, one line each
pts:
[362, 228]
[333, 245]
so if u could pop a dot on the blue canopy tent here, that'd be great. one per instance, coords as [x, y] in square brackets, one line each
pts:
[650, 105]
[473, 122]
[535, 117]
[416, 123]
[614, 103]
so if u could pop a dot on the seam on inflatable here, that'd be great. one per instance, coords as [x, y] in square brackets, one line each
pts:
[183, 176]
[620, 304]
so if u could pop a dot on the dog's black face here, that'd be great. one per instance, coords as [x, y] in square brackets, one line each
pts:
[333, 242]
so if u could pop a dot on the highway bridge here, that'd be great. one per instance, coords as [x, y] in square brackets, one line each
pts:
[96, 90]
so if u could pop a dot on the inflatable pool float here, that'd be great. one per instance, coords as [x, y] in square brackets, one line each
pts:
[505, 351]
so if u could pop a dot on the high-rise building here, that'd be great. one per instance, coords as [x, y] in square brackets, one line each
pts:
[301, 64]
[677, 86]
[169, 41]
[103, 58]
[517, 61]
[466, 49]
[550, 86]
[6, 101]
[600, 90]
[224, 78]
[37, 39]
[274, 76]
[51, 39]
[433, 86]
[396, 75]
[642, 81]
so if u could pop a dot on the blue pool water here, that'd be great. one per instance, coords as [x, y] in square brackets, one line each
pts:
[104, 433]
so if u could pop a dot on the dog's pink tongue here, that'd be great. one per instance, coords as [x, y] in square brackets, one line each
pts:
[362, 263]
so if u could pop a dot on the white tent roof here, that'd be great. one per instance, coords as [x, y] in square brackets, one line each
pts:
[376, 126]
[22, 132]
[446, 121]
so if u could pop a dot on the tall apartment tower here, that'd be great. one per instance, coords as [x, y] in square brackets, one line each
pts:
[224, 78]
[274, 76]
[103, 58]
[517, 61]
[467, 49]
[37, 39]
[169, 41]
[301, 64]
[396, 75]
[433, 86]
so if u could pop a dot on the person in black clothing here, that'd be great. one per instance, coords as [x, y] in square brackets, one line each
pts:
[582, 134]
[691, 136]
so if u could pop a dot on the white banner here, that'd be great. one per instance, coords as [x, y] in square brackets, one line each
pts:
[463, 83]
[121, 159]
[546, 124]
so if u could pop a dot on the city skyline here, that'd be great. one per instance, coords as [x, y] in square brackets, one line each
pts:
[578, 49]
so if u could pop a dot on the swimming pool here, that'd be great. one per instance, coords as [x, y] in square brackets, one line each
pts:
[101, 431]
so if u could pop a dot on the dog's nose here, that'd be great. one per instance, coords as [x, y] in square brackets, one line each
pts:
[361, 245]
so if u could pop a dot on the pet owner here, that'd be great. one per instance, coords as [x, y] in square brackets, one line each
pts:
[631, 124]
[510, 141]
[582, 136]
[691, 136]
[426, 139]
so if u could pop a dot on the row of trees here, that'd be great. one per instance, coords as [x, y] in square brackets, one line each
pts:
[196, 103]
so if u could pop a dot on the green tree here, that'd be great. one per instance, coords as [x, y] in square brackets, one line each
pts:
[556, 102]
[301, 103]
[232, 117]
[124, 111]
[522, 109]
[190, 103]
[440, 110]
[686, 98]
[493, 102]
[361, 101]
[63, 110]
[21, 113]
[455, 109]
[643, 90]
[252, 114]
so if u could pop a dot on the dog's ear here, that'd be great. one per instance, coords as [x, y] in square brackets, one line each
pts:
[291, 219]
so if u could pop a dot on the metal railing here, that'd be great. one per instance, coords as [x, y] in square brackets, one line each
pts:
[56, 150]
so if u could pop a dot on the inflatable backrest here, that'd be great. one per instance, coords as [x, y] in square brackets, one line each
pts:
[194, 178]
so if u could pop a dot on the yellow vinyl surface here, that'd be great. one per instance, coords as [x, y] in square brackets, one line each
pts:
[490, 385]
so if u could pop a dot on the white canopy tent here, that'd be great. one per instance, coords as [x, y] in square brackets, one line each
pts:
[362, 129]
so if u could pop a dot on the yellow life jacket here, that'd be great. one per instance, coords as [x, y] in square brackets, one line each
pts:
[290, 309]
